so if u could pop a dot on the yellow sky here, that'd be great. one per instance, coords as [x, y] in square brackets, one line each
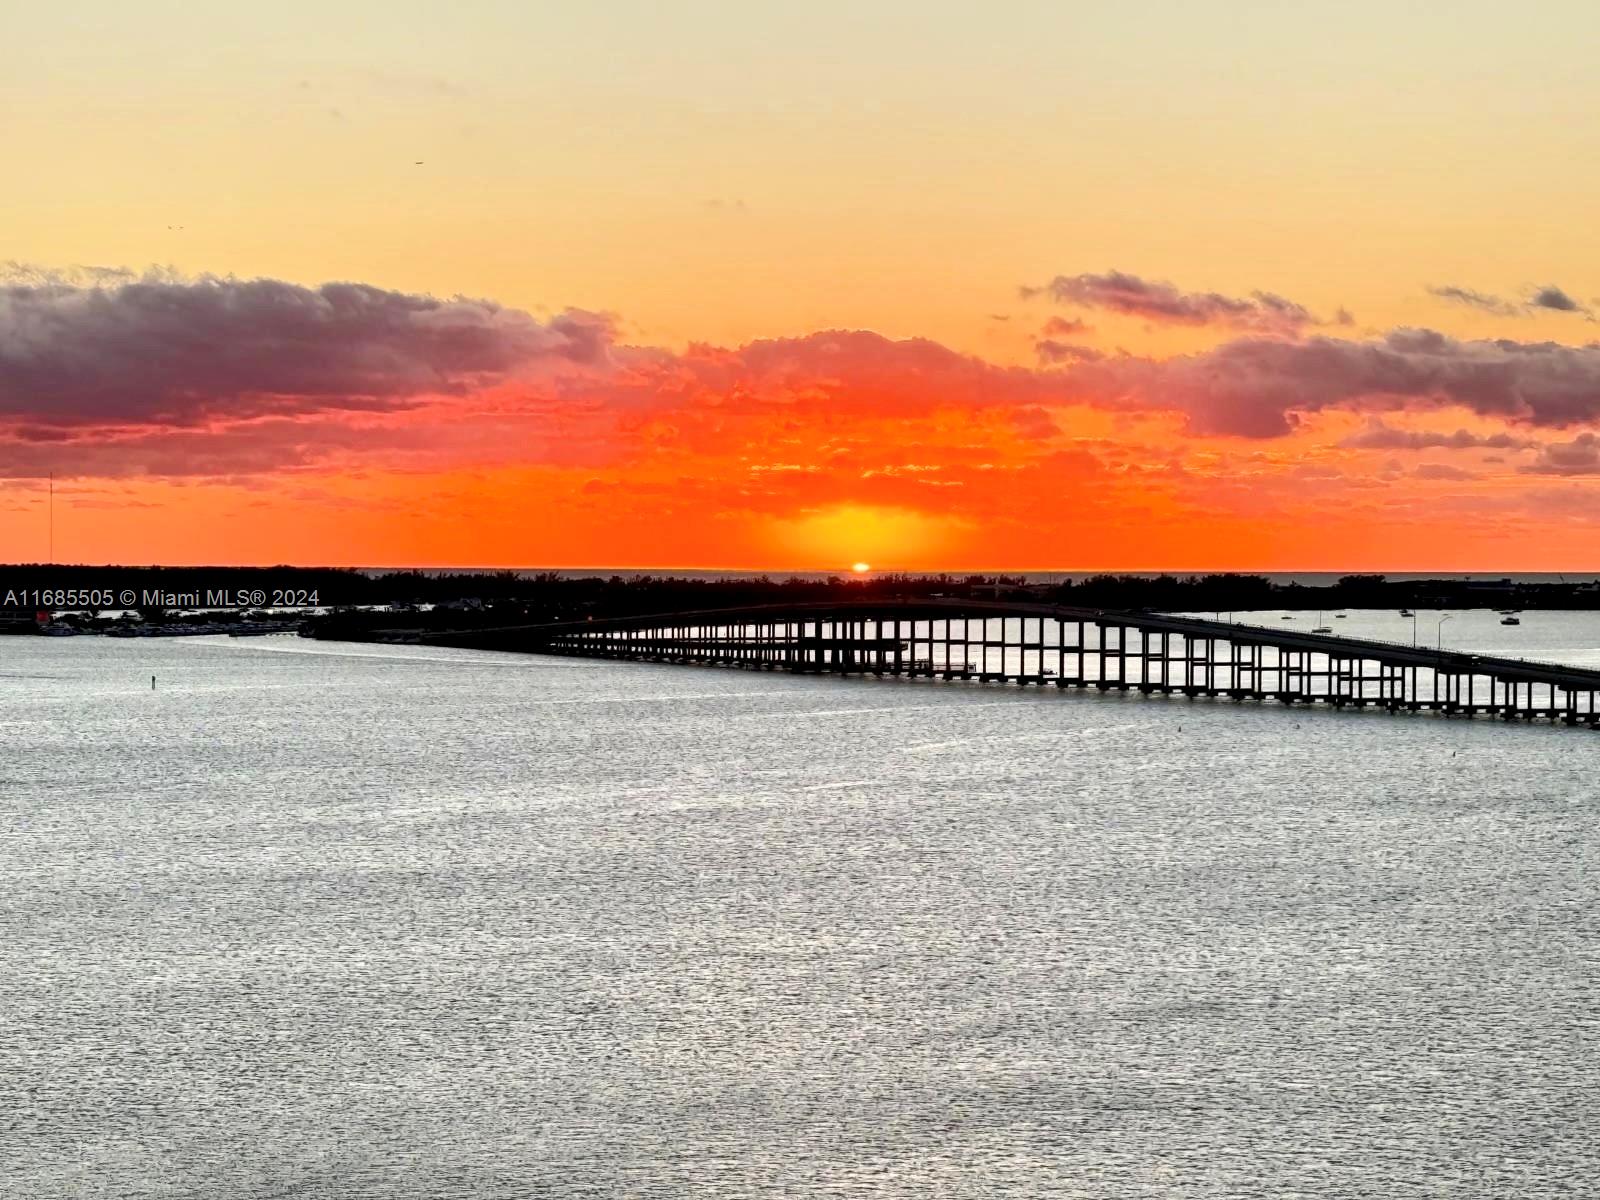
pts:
[713, 173]
[718, 173]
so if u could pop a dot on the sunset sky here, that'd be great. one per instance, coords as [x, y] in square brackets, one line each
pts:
[1037, 286]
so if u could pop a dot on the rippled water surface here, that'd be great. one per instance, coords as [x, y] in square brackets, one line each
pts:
[340, 921]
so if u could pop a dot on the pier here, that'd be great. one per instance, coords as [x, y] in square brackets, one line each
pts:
[1041, 645]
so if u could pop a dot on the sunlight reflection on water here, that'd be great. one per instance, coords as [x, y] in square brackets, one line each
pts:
[396, 924]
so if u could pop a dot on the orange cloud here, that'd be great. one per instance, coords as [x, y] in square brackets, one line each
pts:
[386, 427]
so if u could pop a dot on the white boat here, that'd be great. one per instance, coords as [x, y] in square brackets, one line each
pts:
[1510, 619]
[1320, 627]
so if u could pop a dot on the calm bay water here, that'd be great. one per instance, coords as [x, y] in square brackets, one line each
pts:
[343, 921]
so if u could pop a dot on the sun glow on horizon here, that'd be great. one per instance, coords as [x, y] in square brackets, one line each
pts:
[862, 535]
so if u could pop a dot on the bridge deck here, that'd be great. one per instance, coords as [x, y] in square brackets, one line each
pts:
[997, 641]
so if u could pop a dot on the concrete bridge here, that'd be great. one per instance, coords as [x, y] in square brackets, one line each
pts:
[1045, 645]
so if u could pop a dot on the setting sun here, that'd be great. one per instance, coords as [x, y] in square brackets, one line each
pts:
[786, 507]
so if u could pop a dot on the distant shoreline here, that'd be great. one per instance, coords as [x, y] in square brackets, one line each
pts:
[350, 604]
[1303, 578]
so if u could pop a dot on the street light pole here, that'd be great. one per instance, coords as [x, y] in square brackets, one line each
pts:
[1413, 629]
[1439, 647]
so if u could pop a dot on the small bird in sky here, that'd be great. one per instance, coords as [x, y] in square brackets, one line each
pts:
[418, 163]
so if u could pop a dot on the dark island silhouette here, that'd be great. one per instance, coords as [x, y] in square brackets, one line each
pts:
[358, 604]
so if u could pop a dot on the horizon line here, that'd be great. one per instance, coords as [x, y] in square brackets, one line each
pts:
[843, 569]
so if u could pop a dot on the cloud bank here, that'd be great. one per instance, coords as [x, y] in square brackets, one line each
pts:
[163, 351]
[113, 375]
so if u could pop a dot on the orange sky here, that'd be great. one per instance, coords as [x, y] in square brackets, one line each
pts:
[776, 287]
[224, 421]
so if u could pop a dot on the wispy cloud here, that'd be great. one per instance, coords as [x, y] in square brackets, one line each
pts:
[1379, 436]
[1548, 298]
[1442, 471]
[1163, 303]
[1481, 301]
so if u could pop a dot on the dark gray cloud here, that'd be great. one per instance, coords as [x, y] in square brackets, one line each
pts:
[1581, 456]
[1378, 436]
[157, 350]
[1255, 387]
[1161, 302]
[1553, 298]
